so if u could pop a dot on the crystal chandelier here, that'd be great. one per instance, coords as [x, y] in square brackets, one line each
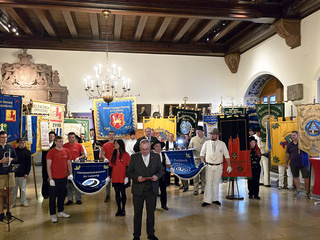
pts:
[108, 80]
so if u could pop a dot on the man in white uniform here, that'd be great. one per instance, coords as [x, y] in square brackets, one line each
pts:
[212, 154]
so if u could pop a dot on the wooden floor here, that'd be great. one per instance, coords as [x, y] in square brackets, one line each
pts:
[278, 215]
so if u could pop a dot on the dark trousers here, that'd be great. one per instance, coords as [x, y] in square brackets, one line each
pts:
[138, 201]
[253, 184]
[121, 196]
[45, 182]
[58, 191]
[163, 191]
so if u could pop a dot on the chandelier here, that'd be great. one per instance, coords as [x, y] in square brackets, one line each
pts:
[108, 82]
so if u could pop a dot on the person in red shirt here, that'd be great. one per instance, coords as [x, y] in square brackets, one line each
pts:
[77, 153]
[117, 171]
[58, 166]
[107, 151]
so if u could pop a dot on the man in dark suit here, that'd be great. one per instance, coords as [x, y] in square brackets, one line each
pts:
[147, 136]
[144, 169]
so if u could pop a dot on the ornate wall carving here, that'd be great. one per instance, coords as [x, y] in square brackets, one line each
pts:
[289, 29]
[232, 60]
[34, 81]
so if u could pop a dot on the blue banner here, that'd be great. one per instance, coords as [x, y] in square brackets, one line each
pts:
[253, 120]
[89, 178]
[183, 164]
[209, 123]
[119, 116]
[34, 130]
[10, 116]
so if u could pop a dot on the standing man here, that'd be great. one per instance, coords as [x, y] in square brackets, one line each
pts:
[145, 170]
[299, 161]
[147, 136]
[170, 146]
[107, 150]
[196, 143]
[21, 175]
[77, 152]
[58, 166]
[7, 155]
[83, 137]
[45, 182]
[212, 154]
[130, 143]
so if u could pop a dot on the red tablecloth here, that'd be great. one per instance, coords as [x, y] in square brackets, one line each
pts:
[316, 166]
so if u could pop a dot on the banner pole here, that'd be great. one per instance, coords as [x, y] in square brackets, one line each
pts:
[269, 155]
[34, 178]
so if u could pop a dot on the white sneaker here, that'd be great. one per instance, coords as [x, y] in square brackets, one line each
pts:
[54, 218]
[63, 215]
[25, 204]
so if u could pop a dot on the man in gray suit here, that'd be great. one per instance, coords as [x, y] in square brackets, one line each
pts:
[145, 170]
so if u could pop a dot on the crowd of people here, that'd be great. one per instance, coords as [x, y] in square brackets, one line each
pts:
[143, 163]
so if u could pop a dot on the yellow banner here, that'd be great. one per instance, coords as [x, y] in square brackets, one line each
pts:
[280, 132]
[161, 126]
[89, 150]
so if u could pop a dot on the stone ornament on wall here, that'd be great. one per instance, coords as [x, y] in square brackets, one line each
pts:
[289, 29]
[34, 81]
[232, 60]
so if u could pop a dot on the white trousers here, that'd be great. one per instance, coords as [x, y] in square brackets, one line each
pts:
[282, 170]
[213, 176]
[202, 176]
[264, 175]
[20, 183]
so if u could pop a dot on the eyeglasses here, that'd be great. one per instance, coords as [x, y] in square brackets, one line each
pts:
[144, 149]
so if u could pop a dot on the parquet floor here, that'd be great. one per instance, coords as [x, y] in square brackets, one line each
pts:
[278, 215]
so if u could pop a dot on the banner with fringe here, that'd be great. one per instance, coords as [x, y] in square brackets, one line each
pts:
[209, 123]
[31, 132]
[161, 126]
[186, 120]
[83, 126]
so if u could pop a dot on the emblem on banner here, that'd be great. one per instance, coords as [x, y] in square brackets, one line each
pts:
[313, 128]
[234, 155]
[117, 120]
[3, 127]
[11, 115]
[185, 127]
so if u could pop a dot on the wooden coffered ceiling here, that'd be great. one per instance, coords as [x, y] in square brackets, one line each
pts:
[191, 27]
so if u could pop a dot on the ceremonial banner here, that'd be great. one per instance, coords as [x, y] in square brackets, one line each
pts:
[183, 164]
[161, 126]
[280, 134]
[89, 178]
[253, 120]
[34, 130]
[209, 123]
[10, 116]
[44, 133]
[234, 127]
[309, 129]
[71, 127]
[119, 116]
[84, 126]
[266, 111]
[234, 111]
[240, 161]
[186, 119]
[89, 149]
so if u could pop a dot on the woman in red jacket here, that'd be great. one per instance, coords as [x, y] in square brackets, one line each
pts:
[117, 170]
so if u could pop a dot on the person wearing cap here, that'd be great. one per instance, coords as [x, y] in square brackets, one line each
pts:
[212, 153]
[196, 144]
[157, 146]
[255, 155]
[130, 143]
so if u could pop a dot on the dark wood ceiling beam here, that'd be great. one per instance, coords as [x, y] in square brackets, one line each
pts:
[164, 25]
[70, 23]
[224, 31]
[20, 18]
[209, 25]
[140, 27]
[183, 29]
[94, 25]
[118, 27]
[77, 44]
[46, 21]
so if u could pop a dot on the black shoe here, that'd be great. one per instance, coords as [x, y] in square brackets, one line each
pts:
[107, 199]
[195, 193]
[177, 184]
[217, 202]
[9, 215]
[164, 207]
[1, 217]
[79, 202]
[250, 196]
[136, 238]
[153, 237]
[185, 190]
[45, 197]
[202, 192]
[267, 185]
[118, 213]
[257, 197]
[205, 204]
[123, 213]
[69, 202]
[182, 187]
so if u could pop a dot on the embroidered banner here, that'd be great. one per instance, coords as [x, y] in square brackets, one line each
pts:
[44, 133]
[34, 130]
[90, 178]
[309, 129]
[264, 112]
[280, 133]
[161, 126]
[253, 120]
[234, 111]
[10, 116]
[209, 123]
[89, 149]
[119, 116]
[84, 126]
[183, 164]
[186, 119]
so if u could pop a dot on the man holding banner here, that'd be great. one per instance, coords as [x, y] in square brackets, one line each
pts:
[212, 154]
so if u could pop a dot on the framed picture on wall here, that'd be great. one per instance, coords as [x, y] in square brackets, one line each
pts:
[169, 109]
[143, 110]
[204, 108]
